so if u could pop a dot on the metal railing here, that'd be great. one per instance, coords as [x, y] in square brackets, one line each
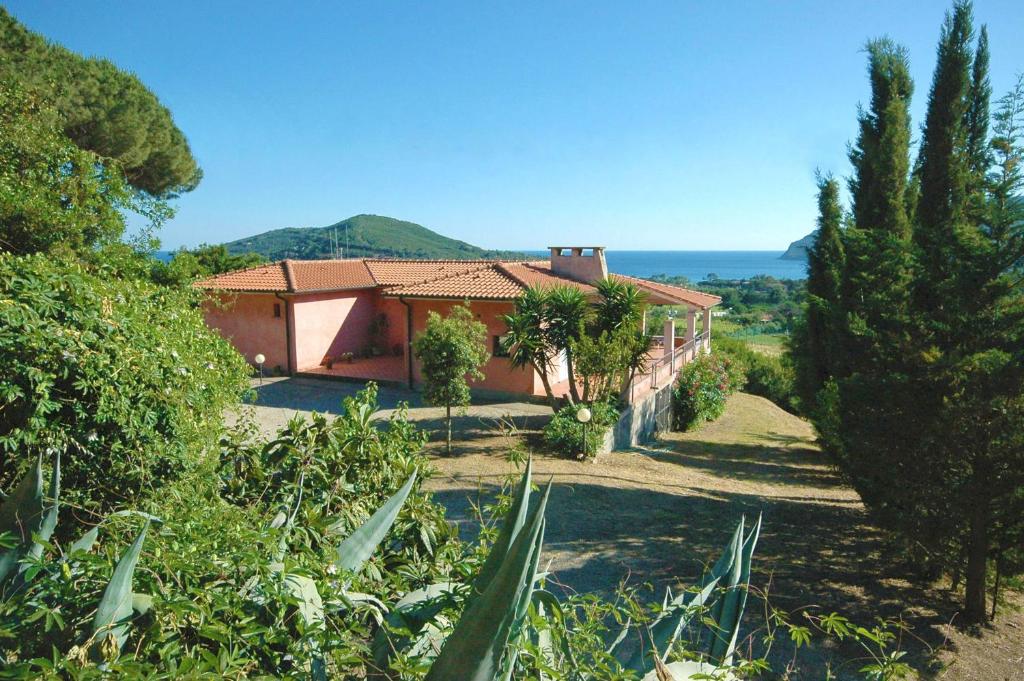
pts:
[662, 371]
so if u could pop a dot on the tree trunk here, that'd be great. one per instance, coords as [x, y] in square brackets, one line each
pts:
[995, 586]
[448, 419]
[552, 400]
[573, 389]
[977, 565]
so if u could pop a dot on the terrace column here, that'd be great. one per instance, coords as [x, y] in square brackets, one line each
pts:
[691, 325]
[706, 332]
[670, 342]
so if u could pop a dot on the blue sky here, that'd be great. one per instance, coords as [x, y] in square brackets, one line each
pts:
[637, 125]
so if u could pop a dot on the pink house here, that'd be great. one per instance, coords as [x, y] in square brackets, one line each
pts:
[355, 318]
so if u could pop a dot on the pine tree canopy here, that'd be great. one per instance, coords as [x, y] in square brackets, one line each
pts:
[102, 109]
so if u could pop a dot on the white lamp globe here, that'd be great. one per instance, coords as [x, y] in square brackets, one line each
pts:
[260, 359]
[583, 415]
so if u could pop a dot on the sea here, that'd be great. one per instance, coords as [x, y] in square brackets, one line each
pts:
[698, 266]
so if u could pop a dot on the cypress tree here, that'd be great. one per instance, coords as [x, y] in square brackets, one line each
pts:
[816, 343]
[944, 172]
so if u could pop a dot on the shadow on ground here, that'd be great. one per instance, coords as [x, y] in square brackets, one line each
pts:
[815, 554]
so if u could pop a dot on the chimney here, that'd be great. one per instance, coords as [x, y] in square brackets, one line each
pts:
[583, 263]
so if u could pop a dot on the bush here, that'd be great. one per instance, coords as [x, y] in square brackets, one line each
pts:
[564, 433]
[123, 377]
[700, 391]
[767, 376]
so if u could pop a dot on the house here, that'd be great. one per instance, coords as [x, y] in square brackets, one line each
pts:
[355, 318]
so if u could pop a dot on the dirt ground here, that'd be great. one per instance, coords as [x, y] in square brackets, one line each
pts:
[658, 513]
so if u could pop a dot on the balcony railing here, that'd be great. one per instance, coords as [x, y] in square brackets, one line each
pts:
[662, 370]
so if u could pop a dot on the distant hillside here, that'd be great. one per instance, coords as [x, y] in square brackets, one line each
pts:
[362, 236]
[798, 249]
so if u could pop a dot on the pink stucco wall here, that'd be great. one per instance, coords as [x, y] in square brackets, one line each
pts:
[247, 320]
[500, 376]
[331, 324]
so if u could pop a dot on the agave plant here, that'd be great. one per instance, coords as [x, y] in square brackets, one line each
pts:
[31, 517]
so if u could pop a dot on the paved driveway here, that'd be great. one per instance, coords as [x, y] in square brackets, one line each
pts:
[279, 399]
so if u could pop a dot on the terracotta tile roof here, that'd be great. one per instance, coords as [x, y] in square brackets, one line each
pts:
[403, 272]
[666, 293]
[328, 275]
[453, 279]
[486, 282]
[262, 278]
[539, 274]
[295, 276]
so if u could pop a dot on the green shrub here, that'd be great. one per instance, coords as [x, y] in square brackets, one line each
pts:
[564, 433]
[122, 376]
[768, 376]
[700, 391]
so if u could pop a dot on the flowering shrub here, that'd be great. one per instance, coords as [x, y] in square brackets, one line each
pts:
[701, 389]
[564, 433]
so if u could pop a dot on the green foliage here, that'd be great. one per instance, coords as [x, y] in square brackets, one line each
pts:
[769, 376]
[203, 261]
[701, 388]
[102, 109]
[125, 377]
[361, 236]
[817, 339]
[53, 195]
[922, 400]
[451, 350]
[564, 433]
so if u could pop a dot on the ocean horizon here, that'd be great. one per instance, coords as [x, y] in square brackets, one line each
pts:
[696, 266]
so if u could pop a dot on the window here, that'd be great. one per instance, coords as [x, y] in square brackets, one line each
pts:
[499, 347]
[277, 309]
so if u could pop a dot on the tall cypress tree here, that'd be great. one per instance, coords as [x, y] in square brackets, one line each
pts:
[926, 417]
[815, 344]
[877, 275]
[944, 172]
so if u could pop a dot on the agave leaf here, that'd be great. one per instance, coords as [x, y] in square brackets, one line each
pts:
[115, 606]
[477, 649]
[360, 545]
[142, 603]
[683, 671]
[303, 589]
[414, 611]
[513, 523]
[49, 520]
[668, 625]
[85, 542]
[22, 515]
[735, 599]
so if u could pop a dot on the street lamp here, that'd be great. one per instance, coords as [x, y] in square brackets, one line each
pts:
[583, 415]
[260, 359]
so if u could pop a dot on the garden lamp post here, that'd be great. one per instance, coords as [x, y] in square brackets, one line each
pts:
[583, 415]
[260, 359]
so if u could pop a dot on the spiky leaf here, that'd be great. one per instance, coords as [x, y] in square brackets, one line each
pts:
[360, 545]
[512, 524]
[115, 608]
[477, 649]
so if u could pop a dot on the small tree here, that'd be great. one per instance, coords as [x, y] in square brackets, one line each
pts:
[451, 349]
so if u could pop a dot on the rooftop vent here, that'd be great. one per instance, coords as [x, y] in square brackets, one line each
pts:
[582, 263]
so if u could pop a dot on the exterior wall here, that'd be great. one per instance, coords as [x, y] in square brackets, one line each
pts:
[499, 374]
[247, 320]
[330, 324]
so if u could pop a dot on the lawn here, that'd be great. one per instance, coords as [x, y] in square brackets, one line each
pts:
[657, 514]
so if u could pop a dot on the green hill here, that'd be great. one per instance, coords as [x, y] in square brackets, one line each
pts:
[798, 249]
[362, 236]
